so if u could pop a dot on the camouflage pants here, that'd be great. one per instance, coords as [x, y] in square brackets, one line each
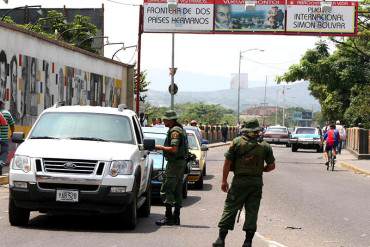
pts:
[171, 190]
[244, 191]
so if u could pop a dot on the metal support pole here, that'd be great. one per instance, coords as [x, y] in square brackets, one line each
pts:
[173, 73]
[284, 105]
[240, 59]
[138, 76]
[264, 104]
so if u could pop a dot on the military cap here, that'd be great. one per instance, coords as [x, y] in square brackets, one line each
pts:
[251, 125]
[170, 115]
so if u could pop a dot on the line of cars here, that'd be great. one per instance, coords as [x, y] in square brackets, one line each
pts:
[299, 138]
[197, 168]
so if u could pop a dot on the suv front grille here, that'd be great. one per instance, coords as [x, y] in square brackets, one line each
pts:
[83, 187]
[70, 166]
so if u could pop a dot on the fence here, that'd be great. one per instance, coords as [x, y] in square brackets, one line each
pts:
[213, 133]
[358, 142]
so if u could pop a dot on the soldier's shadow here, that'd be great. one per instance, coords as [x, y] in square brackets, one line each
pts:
[190, 200]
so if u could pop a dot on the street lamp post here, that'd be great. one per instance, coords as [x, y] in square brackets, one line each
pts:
[240, 59]
[122, 49]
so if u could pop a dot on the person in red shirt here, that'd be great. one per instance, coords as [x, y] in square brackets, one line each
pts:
[3, 122]
[332, 139]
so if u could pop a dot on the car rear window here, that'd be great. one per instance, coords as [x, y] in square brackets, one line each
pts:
[305, 131]
[277, 130]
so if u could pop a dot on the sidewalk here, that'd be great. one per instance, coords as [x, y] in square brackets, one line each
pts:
[348, 161]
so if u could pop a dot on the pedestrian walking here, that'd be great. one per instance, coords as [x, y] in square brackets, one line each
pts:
[342, 136]
[224, 132]
[246, 157]
[4, 132]
[143, 119]
[174, 150]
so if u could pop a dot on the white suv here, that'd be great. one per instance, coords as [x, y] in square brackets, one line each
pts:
[82, 159]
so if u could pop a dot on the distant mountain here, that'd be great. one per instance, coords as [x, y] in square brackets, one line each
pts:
[296, 94]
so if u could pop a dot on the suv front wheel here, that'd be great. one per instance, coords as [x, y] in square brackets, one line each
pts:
[17, 216]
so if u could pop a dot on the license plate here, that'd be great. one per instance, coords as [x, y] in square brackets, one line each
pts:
[67, 196]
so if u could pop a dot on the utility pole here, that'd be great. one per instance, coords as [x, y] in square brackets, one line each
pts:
[173, 73]
[277, 102]
[264, 104]
[284, 105]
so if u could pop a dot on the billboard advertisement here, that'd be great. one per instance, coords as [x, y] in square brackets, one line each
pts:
[310, 17]
[188, 16]
[268, 15]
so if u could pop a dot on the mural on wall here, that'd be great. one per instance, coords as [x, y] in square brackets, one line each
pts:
[29, 85]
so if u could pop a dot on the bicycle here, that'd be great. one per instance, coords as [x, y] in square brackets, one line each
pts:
[331, 160]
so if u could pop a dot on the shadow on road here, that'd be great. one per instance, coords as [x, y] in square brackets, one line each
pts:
[91, 223]
[191, 200]
[195, 226]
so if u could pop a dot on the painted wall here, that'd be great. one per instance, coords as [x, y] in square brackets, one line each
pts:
[35, 74]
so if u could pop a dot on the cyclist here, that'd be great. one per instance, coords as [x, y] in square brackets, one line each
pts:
[331, 138]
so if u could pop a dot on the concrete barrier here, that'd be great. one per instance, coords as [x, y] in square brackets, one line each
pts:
[358, 142]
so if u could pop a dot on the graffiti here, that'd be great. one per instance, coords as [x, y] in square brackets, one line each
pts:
[29, 85]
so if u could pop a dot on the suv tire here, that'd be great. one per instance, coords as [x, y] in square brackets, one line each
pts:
[199, 183]
[294, 148]
[144, 210]
[130, 215]
[185, 189]
[205, 169]
[17, 216]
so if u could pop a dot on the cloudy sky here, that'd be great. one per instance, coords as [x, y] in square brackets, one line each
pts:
[205, 61]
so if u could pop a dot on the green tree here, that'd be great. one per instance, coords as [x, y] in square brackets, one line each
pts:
[144, 83]
[333, 77]
[54, 26]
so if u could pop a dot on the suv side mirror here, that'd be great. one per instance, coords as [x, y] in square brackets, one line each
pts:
[204, 147]
[149, 144]
[18, 137]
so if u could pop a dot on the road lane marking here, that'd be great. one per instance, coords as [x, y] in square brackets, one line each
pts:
[270, 243]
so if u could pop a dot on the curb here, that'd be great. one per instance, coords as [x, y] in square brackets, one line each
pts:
[354, 168]
[4, 180]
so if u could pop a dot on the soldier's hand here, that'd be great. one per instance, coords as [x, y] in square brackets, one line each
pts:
[225, 187]
[158, 147]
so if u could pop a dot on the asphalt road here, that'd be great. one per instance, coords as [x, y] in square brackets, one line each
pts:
[302, 205]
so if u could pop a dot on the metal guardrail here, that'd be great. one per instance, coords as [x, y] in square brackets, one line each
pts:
[358, 142]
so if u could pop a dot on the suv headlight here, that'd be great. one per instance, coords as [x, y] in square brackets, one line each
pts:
[121, 167]
[22, 163]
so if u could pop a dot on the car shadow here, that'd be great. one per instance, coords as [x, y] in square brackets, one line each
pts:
[208, 177]
[190, 200]
[91, 223]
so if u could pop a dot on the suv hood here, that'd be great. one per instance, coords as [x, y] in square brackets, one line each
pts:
[76, 149]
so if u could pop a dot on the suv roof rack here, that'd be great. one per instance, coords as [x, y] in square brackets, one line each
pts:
[59, 104]
[122, 107]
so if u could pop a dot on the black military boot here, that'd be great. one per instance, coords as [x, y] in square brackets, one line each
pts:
[176, 215]
[220, 241]
[168, 218]
[248, 239]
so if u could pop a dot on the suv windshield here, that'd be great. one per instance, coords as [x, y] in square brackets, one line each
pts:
[305, 131]
[83, 126]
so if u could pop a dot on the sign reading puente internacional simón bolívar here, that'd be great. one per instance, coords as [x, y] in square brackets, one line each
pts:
[284, 17]
[309, 16]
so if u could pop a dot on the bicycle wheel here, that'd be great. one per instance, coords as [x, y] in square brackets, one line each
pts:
[329, 159]
[332, 162]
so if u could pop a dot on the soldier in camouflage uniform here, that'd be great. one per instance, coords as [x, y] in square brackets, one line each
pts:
[174, 151]
[246, 157]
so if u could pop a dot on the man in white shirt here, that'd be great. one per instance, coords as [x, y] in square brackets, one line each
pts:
[342, 135]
